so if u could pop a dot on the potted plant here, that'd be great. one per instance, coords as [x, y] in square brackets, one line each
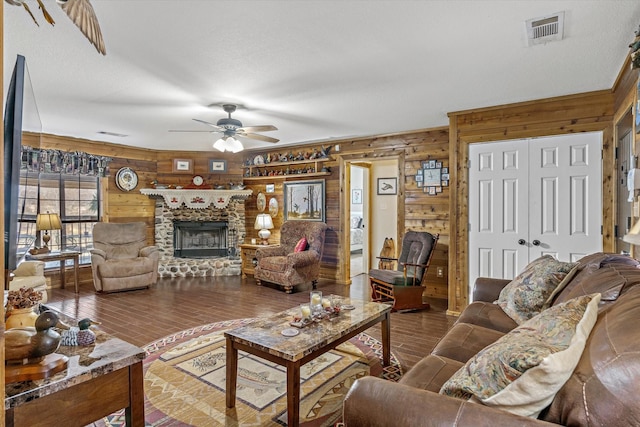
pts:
[19, 309]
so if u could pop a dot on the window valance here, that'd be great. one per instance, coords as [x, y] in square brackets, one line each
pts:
[67, 162]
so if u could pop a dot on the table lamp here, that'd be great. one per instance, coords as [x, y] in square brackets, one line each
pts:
[46, 222]
[264, 223]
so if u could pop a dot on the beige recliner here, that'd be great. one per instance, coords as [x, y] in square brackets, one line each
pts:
[121, 259]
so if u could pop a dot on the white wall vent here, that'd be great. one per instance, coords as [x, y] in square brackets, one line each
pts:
[545, 29]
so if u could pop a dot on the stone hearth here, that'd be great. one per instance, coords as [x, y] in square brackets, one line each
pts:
[170, 266]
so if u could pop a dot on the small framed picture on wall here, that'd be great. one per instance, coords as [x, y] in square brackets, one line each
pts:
[182, 166]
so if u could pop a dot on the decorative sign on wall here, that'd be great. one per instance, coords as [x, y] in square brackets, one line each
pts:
[432, 177]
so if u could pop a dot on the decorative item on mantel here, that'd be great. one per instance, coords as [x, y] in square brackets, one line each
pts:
[635, 50]
[197, 199]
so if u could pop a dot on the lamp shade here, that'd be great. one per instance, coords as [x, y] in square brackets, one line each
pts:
[48, 221]
[263, 221]
[633, 236]
[228, 143]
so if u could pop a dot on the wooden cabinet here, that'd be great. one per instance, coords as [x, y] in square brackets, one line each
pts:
[248, 255]
[285, 170]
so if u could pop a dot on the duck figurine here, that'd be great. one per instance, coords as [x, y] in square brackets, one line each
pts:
[81, 334]
[31, 344]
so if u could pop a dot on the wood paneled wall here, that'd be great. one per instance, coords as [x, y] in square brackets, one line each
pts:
[569, 114]
[417, 211]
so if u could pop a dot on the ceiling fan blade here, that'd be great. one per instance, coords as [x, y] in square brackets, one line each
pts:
[205, 131]
[216, 127]
[263, 128]
[257, 136]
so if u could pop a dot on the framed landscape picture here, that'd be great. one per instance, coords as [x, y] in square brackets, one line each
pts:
[216, 165]
[304, 201]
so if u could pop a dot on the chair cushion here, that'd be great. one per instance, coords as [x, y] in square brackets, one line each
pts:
[301, 245]
[126, 267]
[392, 277]
[522, 371]
[534, 288]
[274, 263]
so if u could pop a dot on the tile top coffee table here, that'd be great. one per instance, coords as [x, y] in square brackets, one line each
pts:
[264, 338]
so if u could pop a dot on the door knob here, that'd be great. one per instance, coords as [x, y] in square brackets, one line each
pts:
[522, 242]
[536, 243]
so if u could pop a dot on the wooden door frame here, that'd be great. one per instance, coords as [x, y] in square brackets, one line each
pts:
[458, 268]
[358, 158]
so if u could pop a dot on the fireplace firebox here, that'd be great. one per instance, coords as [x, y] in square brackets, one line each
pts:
[200, 239]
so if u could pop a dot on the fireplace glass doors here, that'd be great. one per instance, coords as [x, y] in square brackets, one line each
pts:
[200, 239]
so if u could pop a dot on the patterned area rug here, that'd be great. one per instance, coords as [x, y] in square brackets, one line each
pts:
[184, 381]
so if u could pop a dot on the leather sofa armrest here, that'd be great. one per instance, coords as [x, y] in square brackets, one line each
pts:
[488, 289]
[98, 253]
[373, 401]
[29, 268]
[268, 251]
[148, 250]
[301, 259]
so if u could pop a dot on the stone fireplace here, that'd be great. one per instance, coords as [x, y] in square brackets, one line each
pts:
[208, 234]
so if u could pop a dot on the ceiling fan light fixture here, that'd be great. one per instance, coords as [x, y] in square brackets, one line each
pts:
[220, 145]
[228, 143]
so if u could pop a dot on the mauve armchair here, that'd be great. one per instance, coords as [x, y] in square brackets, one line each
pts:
[121, 259]
[285, 267]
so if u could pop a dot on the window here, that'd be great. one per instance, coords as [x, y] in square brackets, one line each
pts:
[76, 198]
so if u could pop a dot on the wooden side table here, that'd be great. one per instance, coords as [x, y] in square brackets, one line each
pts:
[62, 257]
[248, 253]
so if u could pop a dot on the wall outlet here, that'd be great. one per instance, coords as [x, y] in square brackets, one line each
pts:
[440, 271]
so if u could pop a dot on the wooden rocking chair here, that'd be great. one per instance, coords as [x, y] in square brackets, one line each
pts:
[404, 285]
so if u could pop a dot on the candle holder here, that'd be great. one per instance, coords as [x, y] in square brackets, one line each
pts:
[316, 303]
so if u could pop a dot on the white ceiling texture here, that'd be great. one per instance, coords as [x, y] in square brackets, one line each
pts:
[317, 70]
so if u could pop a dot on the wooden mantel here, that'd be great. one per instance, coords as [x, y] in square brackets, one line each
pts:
[198, 198]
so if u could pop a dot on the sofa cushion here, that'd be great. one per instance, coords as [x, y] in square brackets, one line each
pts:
[464, 340]
[532, 290]
[610, 280]
[522, 371]
[488, 315]
[431, 372]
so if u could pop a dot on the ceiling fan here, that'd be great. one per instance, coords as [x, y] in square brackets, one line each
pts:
[231, 128]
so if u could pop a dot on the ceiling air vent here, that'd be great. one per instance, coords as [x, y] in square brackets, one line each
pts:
[545, 29]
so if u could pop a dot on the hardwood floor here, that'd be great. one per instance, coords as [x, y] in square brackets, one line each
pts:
[172, 305]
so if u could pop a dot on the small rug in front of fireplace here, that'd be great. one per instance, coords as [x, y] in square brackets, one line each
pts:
[184, 381]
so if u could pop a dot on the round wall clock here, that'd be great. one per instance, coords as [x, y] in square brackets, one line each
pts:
[261, 202]
[126, 179]
[273, 207]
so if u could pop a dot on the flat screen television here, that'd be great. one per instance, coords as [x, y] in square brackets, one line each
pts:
[12, 142]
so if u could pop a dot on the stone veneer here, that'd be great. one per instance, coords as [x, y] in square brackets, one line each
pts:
[170, 266]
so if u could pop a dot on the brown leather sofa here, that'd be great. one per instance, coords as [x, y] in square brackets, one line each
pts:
[603, 389]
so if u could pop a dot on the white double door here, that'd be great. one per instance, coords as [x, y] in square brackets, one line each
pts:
[533, 197]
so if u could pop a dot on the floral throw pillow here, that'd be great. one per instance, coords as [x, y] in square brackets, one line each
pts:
[523, 370]
[530, 292]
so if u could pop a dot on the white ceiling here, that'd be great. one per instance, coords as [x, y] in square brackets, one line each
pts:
[317, 70]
